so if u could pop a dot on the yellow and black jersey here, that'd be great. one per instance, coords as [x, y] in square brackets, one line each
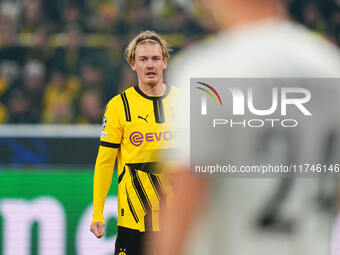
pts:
[137, 130]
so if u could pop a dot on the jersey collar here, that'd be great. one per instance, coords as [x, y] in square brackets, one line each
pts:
[167, 90]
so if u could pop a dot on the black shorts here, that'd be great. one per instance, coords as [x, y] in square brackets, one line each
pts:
[131, 242]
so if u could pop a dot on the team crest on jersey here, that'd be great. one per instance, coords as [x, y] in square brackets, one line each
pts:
[122, 252]
[104, 122]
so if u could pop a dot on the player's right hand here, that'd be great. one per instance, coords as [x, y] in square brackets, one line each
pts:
[97, 228]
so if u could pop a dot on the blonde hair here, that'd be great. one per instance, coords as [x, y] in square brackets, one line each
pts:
[146, 37]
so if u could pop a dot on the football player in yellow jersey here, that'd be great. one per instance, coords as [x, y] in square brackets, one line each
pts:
[136, 131]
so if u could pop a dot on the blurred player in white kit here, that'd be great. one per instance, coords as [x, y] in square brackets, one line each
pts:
[256, 39]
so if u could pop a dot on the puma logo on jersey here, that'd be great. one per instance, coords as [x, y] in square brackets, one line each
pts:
[140, 117]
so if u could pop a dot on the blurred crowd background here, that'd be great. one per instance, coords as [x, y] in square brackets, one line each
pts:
[62, 60]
